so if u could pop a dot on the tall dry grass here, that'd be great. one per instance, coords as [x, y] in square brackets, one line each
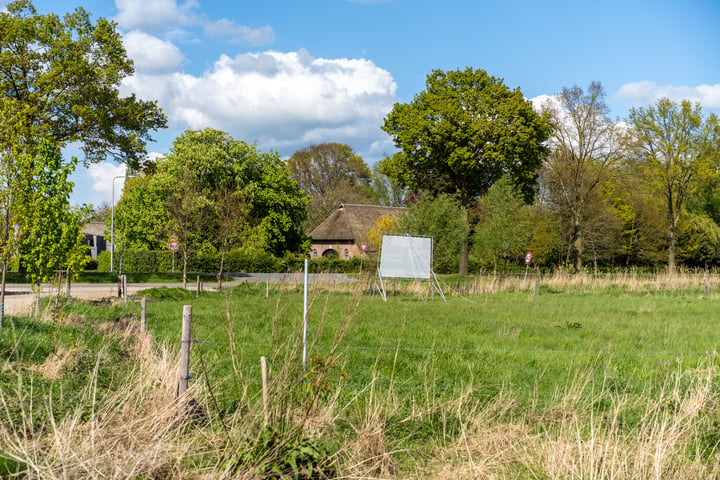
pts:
[703, 282]
[137, 431]
[635, 437]
[144, 431]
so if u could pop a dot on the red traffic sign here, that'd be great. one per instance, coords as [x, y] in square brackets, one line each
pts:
[174, 245]
[528, 258]
[364, 246]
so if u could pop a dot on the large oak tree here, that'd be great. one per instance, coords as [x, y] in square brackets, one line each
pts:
[463, 133]
[60, 79]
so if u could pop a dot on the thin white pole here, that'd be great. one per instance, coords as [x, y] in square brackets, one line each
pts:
[185, 349]
[112, 217]
[305, 302]
[265, 394]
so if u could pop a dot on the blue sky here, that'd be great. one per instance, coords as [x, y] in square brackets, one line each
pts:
[288, 74]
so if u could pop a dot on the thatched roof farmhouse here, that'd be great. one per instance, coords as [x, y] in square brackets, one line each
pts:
[346, 228]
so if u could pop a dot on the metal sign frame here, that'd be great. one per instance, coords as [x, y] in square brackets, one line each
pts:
[406, 257]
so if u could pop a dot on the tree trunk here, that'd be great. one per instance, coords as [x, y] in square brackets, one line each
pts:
[578, 244]
[464, 247]
[185, 262]
[464, 243]
[2, 293]
[672, 240]
[220, 272]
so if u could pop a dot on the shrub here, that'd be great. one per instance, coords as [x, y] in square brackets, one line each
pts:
[103, 261]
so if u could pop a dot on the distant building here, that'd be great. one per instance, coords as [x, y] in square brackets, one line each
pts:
[346, 228]
[95, 238]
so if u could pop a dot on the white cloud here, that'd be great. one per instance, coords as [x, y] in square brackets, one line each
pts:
[542, 102]
[152, 54]
[155, 15]
[169, 17]
[644, 93]
[239, 33]
[102, 180]
[282, 100]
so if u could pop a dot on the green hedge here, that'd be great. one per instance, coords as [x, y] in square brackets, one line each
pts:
[236, 261]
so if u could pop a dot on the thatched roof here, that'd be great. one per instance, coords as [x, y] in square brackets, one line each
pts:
[94, 228]
[352, 222]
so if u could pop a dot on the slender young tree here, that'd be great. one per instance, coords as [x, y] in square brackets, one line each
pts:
[50, 230]
[503, 231]
[231, 218]
[189, 215]
[440, 218]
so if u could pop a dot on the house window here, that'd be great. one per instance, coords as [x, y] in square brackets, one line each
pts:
[315, 252]
[347, 254]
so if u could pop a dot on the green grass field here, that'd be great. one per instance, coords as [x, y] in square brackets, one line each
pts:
[518, 342]
[483, 385]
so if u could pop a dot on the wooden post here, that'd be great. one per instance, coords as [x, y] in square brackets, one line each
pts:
[537, 283]
[197, 293]
[185, 350]
[124, 280]
[143, 315]
[267, 287]
[265, 394]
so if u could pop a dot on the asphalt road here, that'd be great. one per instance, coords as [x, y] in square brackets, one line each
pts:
[19, 296]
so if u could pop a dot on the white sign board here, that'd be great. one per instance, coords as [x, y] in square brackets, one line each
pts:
[406, 257]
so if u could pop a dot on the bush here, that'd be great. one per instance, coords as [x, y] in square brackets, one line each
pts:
[103, 261]
[236, 261]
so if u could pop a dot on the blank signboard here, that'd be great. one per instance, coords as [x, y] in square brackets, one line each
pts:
[406, 257]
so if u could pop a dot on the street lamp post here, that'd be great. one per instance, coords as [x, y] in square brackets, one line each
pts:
[112, 218]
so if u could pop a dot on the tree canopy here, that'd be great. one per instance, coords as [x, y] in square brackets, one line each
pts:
[464, 132]
[584, 150]
[677, 145]
[60, 79]
[331, 174]
[206, 178]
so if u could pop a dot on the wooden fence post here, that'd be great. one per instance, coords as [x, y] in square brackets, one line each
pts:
[124, 279]
[143, 315]
[197, 293]
[265, 394]
[185, 350]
